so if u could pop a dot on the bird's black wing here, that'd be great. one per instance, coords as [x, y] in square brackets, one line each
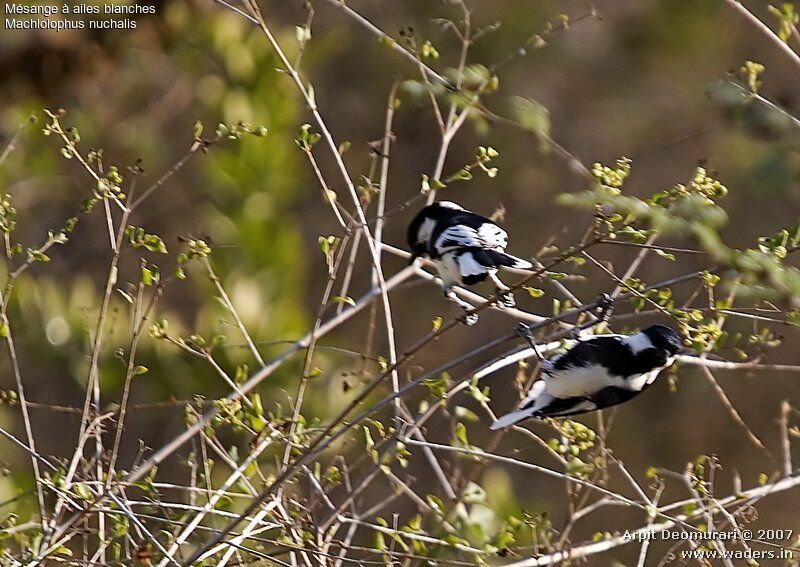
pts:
[608, 351]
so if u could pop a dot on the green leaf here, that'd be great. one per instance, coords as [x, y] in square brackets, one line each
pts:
[37, 256]
[534, 117]
[153, 243]
[461, 434]
[437, 386]
[139, 370]
[534, 291]
[241, 373]
[82, 491]
[368, 441]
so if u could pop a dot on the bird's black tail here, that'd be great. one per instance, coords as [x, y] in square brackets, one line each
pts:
[497, 259]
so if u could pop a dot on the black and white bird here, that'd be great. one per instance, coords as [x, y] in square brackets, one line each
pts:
[597, 373]
[466, 248]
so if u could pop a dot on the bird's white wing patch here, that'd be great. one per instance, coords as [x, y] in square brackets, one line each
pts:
[456, 237]
[469, 266]
[492, 236]
[533, 394]
[488, 236]
[510, 419]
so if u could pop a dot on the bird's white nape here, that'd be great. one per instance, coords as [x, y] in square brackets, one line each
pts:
[638, 342]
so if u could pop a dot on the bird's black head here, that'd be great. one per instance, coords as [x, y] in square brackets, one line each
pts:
[664, 338]
[417, 246]
[418, 232]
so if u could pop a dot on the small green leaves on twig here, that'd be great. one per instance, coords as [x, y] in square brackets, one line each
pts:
[428, 51]
[327, 245]
[750, 71]
[238, 130]
[483, 157]
[461, 439]
[438, 386]
[8, 397]
[159, 330]
[369, 444]
[779, 244]
[788, 19]
[533, 291]
[8, 215]
[576, 438]
[429, 184]
[149, 275]
[36, 255]
[345, 300]
[196, 249]
[534, 117]
[306, 138]
[683, 209]
[612, 178]
[138, 238]
[242, 417]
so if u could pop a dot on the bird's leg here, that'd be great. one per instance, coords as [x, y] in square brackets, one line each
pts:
[502, 292]
[524, 332]
[605, 307]
[469, 317]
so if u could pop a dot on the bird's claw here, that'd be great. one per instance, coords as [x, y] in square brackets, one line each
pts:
[523, 331]
[469, 319]
[505, 299]
[575, 333]
[605, 306]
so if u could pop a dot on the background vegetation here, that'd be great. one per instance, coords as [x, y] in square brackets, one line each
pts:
[248, 268]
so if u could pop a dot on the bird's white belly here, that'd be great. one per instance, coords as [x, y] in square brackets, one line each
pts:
[453, 267]
[448, 269]
[580, 381]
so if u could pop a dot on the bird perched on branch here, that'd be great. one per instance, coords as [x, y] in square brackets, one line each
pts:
[466, 248]
[597, 373]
